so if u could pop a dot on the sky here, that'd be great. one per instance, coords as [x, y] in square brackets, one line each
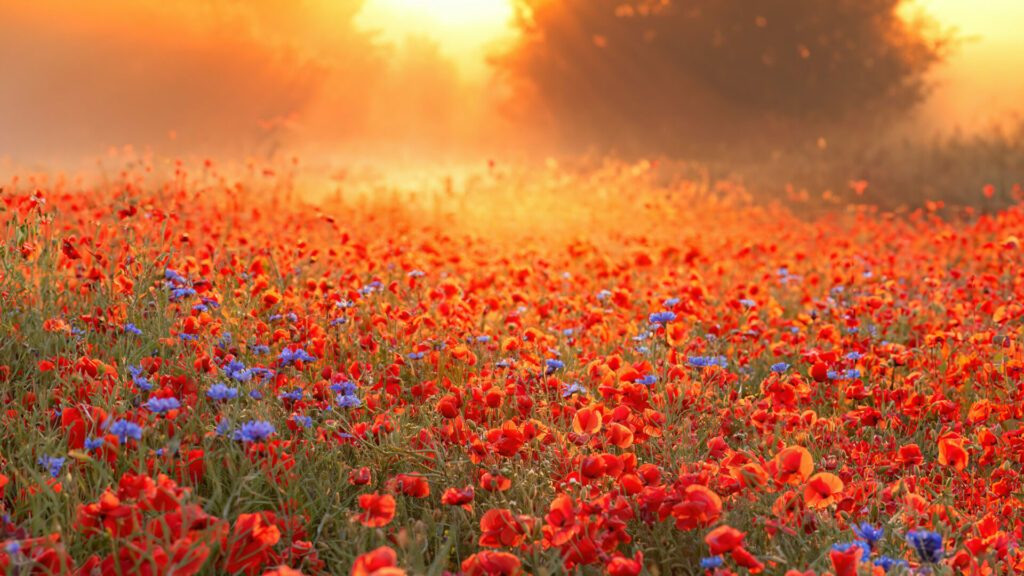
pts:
[465, 29]
[975, 87]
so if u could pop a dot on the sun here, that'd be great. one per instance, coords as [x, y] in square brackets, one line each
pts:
[463, 28]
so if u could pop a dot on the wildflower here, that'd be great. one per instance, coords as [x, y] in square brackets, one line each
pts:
[130, 328]
[344, 387]
[869, 533]
[125, 430]
[927, 545]
[378, 510]
[237, 371]
[140, 381]
[254, 431]
[304, 421]
[348, 401]
[822, 490]
[295, 395]
[647, 380]
[662, 318]
[220, 392]
[553, 365]
[94, 443]
[711, 562]
[707, 361]
[491, 563]
[53, 464]
[290, 356]
[779, 367]
[162, 405]
[724, 539]
[574, 388]
[886, 563]
[381, 560]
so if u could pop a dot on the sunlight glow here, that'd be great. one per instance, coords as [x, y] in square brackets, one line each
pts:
[464, 29]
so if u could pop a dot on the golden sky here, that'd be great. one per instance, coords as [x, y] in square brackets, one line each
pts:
[464, 29]
[984, 79]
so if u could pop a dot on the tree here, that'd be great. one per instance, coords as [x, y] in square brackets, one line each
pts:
[700, 76]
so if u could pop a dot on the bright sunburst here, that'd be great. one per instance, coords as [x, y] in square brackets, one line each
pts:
[462, 27]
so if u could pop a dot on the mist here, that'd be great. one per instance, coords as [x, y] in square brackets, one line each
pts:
[260, 79]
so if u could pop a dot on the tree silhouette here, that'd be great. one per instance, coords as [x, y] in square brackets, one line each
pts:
[702, 76]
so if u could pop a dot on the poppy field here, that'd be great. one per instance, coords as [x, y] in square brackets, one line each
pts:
[215, 371]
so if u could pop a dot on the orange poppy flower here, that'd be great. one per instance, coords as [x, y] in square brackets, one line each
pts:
[700, 506]
[491, 563]
[724, 539]
[587, 421]
[792, 465]
[378, 510]
[378, 562]
[822, 490]
[952, 451]
[501, 529]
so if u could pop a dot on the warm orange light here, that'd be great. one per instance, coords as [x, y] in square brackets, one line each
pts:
[463, 28]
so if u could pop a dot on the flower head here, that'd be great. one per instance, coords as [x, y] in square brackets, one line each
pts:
[254, 431]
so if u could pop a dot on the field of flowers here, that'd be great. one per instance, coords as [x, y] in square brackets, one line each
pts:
[538, 373]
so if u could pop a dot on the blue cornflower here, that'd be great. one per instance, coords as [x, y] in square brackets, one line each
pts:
[174, 277]
[125, 429]
[707, 361]
[13, 547]
[222, 427]
[181, 293]
[220, 392]
[661, 317]
[415, 355]
[671, 302]
[553, 365]
[711, 562]
[348, 401]
[483, 338]
[344, 388]
[604, 295]
[573, 388]
[263, 373]
[888, 563]
[852, 374]
[94, 443]
[161, 405]
[53, 464]
[261, 349]
[869, 533]
[289, 356]
[130, 328]
[847, 546]
[237, 371]
[927, 544]
[647, 380]
[304, 421]
[780, 367]
[140, 381]
[747, 302]
[295, 395]
[854, 356]
[254, 431]
[255, 394]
